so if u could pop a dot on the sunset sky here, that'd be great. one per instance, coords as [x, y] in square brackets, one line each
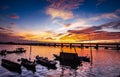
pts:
[60, 20]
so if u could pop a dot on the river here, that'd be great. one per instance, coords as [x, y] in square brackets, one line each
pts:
[106, 62]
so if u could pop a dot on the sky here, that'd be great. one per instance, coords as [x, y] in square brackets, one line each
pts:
[60, 20]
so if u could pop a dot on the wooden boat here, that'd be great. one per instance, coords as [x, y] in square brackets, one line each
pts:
[71, 57]
[46, 62]
[67, 56]
[18, 50]
[28, 64]
[3, 52]
[12, 66]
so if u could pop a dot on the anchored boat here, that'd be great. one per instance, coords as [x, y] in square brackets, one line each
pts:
[46, 62]
[18, 50]
[28, 64]
[10, 65]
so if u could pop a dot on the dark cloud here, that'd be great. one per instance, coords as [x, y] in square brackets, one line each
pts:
[114, 25]
[7, 37]
[1, 28]
[86, 30]
[96, 32]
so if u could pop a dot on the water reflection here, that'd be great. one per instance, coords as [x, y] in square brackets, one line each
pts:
[105, 62]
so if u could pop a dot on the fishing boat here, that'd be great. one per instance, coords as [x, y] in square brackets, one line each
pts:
[71, 57]
[67, 56]
[3, 52]
[18, 50]
[46, 62]
[28, 64]
[10, 65]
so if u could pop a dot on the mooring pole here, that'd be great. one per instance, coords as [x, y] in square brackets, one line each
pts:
[90, 51]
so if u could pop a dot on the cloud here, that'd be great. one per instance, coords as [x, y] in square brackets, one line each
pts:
[1, 28]
[67, 25]
[13, 16]
[117, 11]
[56, 13]
[63, 8]
[104, 16]
[65, 4]
[7, 35]
[99, 2]
[108, 31]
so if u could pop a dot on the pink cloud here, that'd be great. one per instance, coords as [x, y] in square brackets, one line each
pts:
[62, 8]
[13, 16]
[65, 4]
[117, 11]
[105, 16]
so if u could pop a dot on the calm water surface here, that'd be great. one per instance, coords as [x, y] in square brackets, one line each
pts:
[106, 63]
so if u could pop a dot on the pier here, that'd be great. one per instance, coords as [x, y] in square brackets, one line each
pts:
[80, 45]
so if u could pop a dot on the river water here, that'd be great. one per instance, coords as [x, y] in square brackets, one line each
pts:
[106, 62]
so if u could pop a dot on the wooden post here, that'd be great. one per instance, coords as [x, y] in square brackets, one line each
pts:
[70, 45]
[96, 47]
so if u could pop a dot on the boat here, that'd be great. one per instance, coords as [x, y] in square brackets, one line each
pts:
[67, 56]
[10, 65]
[28, 64]
[3, 52]
[71, 57]
[18, 50]
[46, 62]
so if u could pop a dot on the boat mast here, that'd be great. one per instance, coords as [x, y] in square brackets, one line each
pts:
[30, 50]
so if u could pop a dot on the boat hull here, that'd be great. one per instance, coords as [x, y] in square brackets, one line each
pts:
[11, 66]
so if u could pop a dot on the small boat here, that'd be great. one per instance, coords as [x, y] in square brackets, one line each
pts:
[3, 52]
[46, 62]
[28, 64]
[18, 50]
[10, 65]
